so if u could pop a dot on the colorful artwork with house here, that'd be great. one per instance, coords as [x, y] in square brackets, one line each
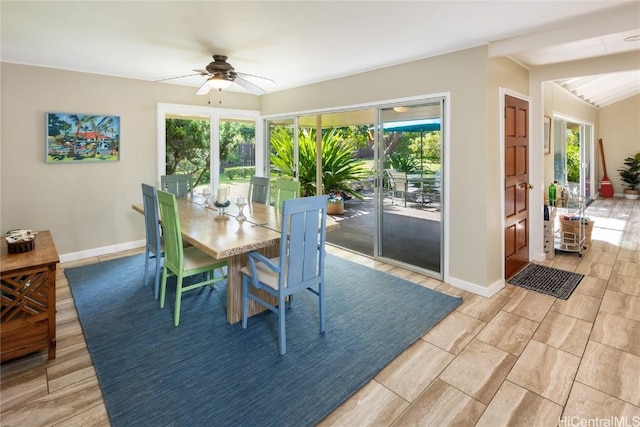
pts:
[75, 138]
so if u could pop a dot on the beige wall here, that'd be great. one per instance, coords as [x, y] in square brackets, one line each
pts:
[502, 74]
[620, 133]
[86, 206]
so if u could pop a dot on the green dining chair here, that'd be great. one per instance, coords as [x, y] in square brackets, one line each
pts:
[182, 262]
[299, 267]
[285, 190]
[181, 185]
[259, 190]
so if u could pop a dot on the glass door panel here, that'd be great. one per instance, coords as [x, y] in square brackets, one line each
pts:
[410, 227]
[573, 148]
[188, 148]
[586, 153]
[348, 173]
[237, 154]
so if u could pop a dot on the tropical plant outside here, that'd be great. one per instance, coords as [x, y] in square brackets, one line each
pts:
[573, 155]
[339, 166]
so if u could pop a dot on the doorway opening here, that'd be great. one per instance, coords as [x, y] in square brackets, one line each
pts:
[573, 160]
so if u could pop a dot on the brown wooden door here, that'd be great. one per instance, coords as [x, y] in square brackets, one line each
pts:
[516, 185]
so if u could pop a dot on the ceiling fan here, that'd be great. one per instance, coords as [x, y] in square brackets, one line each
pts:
[220, 75]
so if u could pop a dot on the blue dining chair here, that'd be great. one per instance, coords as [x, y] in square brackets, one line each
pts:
[154, 235]
[181, 185]
[300, 265]
[259, 190]
[285, 189]
[180, 261]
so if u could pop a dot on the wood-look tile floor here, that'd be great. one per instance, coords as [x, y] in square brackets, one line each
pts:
[519, 358]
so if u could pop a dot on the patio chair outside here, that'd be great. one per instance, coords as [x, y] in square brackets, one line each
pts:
[400, 185]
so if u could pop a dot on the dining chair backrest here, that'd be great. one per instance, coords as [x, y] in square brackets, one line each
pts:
[154, 235]
[151, 219]
[259, 190]
[285, 190]
[181, 185]
[173, 255]
[302, 243]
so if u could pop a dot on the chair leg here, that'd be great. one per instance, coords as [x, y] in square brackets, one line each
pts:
[146, 266]
[245, 300]
[163, 286]
[281, 325]
[156, 282]
[321, 306]
[176, 314]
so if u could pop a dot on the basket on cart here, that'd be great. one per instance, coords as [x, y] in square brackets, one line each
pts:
[572, 224]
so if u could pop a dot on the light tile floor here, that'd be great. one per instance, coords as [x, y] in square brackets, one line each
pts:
[519, 358]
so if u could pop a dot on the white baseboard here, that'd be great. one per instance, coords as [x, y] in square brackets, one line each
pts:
[540, 257]
[105, 250]
[485, 291]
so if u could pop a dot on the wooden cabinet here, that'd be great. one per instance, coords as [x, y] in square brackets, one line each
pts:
[28, 292]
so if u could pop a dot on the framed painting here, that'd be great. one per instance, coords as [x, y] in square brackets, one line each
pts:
[547, 135]
[82, 138]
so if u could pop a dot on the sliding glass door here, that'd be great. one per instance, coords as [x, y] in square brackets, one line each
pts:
[410, 200]
[350, 154]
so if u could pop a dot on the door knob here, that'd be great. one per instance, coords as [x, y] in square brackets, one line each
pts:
[526, 185]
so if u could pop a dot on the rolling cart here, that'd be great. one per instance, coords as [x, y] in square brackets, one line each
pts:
[571, 232]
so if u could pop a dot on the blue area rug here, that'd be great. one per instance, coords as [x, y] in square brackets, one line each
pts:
[208, 372]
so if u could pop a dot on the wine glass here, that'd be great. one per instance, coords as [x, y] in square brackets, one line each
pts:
[206, 193]
[241, 202]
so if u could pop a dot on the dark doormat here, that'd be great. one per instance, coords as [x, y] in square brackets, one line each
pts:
[547, 280]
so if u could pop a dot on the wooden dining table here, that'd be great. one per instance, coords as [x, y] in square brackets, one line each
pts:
[223, 237]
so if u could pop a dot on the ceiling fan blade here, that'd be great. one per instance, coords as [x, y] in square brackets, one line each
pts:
[257, 77]
[249, 86]
[202, 72]
[204, 88]
[176, 77]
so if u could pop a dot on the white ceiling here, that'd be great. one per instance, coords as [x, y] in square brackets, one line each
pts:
[302, 42]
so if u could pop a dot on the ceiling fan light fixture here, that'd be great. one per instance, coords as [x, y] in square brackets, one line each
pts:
[219, 82]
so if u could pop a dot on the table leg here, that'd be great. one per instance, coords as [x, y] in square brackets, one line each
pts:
[234, 286]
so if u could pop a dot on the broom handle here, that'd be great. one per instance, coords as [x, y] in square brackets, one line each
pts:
[604, 166]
